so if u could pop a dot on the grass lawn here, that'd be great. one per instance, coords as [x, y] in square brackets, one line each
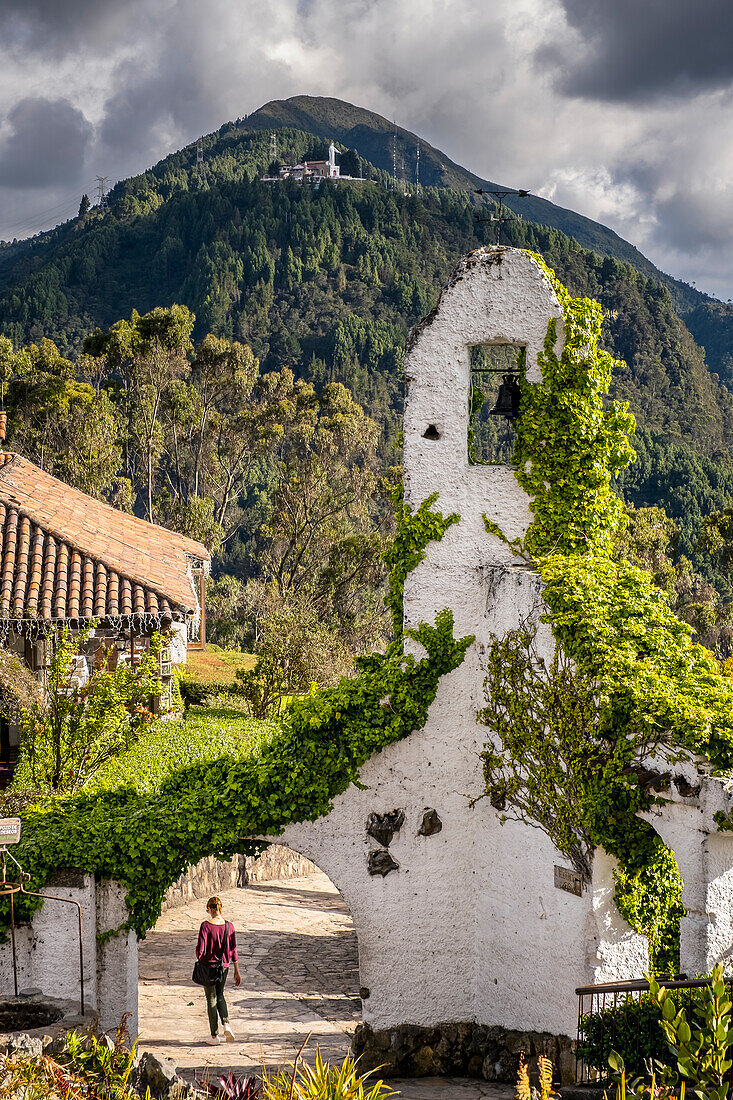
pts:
[217, 666]
[208, 733]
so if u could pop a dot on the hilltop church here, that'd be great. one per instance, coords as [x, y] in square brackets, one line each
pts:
[311, 170]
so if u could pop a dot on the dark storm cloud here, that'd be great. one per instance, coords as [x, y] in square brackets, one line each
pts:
[45, 145]
[695, 222]
[168, 100]
[632, 50]
[57, 25]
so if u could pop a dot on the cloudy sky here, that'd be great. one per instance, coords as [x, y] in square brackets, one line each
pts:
[619, 109]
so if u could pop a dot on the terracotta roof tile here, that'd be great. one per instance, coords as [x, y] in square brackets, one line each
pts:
[8, 565]
[49, 576]
[113, 598]
[145, 552]
[35, 572]
[66, 555]
[74, 604]
[21, 565]
[126, 597]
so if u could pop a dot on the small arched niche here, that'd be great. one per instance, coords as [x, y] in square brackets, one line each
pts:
[496, 371]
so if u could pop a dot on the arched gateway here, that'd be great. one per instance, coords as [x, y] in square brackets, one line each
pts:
[462, 920]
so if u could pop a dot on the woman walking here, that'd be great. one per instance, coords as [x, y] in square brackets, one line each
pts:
[217, 945]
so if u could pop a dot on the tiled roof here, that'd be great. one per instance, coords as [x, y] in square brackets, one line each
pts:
[65, 555]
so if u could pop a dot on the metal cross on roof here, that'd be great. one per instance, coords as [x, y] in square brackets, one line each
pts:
[500, 217]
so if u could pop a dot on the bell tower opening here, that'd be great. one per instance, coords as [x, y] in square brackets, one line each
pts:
[493, 402]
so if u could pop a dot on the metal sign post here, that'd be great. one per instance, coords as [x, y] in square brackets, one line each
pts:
[10, 834]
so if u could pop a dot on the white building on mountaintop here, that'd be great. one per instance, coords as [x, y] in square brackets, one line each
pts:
[312, 170]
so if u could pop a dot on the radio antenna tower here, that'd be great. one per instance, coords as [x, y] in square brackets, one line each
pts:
[417, 167]
[394, 157]
[200, 166]
[273, 145]
[102, 182]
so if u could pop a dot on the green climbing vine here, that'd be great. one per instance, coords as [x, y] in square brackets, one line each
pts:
[555, 763]
[645, 688]
[569, 443]
[515, 545]
[145, 836]
[414, 531]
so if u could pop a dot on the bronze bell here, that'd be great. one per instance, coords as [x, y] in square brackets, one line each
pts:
[507, 399]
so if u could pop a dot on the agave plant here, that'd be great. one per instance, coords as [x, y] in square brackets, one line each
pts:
[325, 1081]
[239, 1088]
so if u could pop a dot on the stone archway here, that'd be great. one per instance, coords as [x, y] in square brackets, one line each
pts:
[299, 962]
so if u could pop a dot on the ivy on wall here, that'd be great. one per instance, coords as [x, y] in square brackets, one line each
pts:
[569, 445]
[414, 531]
[146, 838]
[655, 690]
[554, 762]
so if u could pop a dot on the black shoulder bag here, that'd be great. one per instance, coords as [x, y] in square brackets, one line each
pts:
[210, 973]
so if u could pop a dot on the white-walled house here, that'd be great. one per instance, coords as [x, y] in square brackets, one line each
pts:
[69, 559]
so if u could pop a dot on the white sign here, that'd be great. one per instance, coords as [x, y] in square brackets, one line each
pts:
[9, 830]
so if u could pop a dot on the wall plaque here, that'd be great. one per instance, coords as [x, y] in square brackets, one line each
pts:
[9, 830]
[569, 881]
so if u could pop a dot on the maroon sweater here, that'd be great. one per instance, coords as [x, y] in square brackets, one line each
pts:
[212, 946]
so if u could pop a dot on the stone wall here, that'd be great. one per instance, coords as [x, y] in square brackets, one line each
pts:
[462, 1049]
[201, 880]
[214, 876]
[277, 862]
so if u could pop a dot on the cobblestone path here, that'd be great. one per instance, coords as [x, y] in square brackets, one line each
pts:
[299, 963]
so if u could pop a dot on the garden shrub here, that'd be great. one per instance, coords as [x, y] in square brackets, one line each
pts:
[195, 693]
[632, 1029]
[69, 734]
[87, 1066]
[324, 1081]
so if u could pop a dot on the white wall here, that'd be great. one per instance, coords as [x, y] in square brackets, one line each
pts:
[471, 926]
[48, 951]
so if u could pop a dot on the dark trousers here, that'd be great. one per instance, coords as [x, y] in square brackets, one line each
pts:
[215, 1003]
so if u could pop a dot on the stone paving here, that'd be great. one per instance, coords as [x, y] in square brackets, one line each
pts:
[299, 963]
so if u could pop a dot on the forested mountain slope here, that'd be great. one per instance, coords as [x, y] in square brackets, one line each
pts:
[329, 281]
[382, 142]
[379, 141]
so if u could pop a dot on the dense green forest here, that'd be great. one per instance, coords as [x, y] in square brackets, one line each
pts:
[327, 281]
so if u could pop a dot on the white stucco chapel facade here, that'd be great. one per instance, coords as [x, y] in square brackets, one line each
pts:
[476, 923]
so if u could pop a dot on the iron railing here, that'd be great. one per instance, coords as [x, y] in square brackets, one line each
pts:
[10, 889]
[607, 1021]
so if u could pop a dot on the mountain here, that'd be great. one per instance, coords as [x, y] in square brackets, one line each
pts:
[377, 139]
[328, 281]
[382, 144]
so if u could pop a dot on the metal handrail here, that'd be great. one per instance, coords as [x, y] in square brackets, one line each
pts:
[10, 889]
[640, 985]
[606, 999]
